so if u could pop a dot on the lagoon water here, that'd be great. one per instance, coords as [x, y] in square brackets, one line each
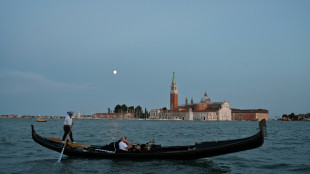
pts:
[286, 149]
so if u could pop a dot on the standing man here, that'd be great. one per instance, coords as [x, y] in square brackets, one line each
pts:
[68, 126]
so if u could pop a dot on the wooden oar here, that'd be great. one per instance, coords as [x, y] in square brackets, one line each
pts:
[63, 149]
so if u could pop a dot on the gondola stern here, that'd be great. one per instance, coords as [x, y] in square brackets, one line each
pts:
[262, 127]
[32, 129]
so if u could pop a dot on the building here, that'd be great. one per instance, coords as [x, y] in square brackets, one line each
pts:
[249, 114]
[205, 110]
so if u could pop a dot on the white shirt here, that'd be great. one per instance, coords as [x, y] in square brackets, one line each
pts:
[122, 146]
[68, 121]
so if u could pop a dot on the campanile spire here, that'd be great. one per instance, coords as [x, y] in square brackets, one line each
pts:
[173, 94]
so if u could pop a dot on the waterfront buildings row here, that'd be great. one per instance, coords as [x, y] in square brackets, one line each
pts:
[205, 110]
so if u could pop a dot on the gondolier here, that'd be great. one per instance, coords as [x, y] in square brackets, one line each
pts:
[68, 126]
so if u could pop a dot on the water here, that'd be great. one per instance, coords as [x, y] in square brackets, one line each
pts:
[286, 149]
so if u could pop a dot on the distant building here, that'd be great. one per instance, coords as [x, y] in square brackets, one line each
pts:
[205, 110]
[78, 115]
[250, 114]
[303, 116]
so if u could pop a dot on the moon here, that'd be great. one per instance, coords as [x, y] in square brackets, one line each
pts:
[114, 72]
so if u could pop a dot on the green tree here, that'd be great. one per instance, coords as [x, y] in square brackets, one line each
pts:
[292, 116]
[284, 116]
[118, 109]
[124, 108]
[131, 109]
[146, 114]
[138, 111]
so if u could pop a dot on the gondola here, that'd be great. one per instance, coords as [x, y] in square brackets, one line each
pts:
[154, 151]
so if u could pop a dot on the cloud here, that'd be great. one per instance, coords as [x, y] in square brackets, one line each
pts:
[30, 82]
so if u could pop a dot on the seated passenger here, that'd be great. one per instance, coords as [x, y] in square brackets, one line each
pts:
[123, 144]
[136, 148]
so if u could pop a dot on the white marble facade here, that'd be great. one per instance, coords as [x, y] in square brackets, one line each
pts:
[222, 114]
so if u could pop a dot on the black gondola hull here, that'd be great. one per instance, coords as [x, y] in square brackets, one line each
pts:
[199, 150]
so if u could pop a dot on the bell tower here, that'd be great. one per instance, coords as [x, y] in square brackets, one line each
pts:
[173, 95]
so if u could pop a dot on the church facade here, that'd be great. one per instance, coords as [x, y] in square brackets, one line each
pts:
[205, 110]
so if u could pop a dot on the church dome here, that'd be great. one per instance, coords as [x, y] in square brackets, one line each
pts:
[205, 98]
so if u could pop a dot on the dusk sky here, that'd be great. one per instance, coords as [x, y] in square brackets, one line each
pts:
[57, 56]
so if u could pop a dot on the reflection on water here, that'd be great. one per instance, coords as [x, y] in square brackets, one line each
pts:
[114, 129]
[135, 166]
[81, 165]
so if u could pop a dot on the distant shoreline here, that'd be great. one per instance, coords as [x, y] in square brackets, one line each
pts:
[31, 117]
[87, 117]
[90, 117]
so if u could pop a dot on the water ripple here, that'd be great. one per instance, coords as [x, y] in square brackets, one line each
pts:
[286, 149]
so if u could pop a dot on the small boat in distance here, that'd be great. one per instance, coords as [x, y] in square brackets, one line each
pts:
[40, 119]
[151, 150]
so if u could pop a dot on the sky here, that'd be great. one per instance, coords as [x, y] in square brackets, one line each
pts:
[57, 56]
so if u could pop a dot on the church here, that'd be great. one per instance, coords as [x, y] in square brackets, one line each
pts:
[205, 110]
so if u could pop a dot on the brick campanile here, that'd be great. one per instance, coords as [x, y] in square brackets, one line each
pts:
[173, 94]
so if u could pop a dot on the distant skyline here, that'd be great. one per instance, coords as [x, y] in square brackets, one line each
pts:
[60, 55]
